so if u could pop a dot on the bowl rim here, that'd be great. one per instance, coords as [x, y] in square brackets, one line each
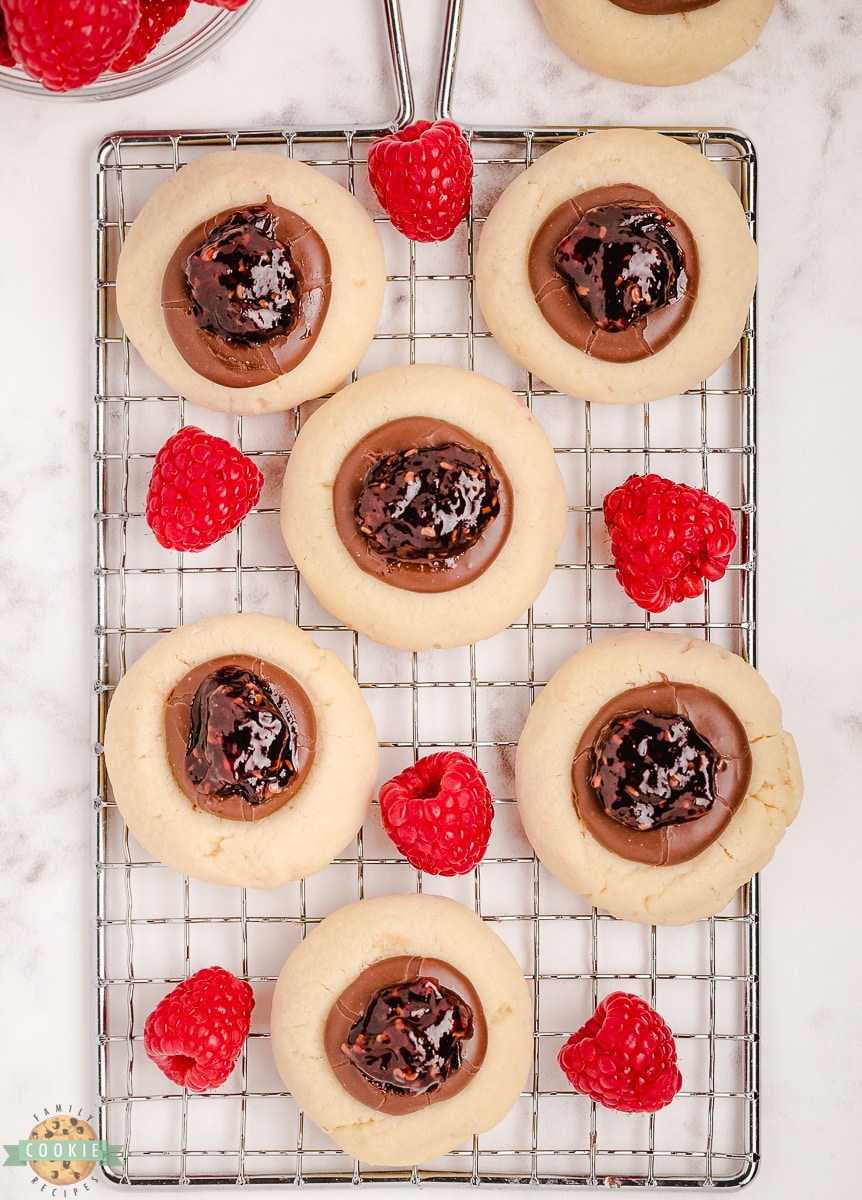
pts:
[218, 24]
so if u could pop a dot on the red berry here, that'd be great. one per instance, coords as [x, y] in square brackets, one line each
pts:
[438, 813]
[666, 538]
[157, 17]
[69, 43]
[7, 58]
[624, 1057]
[200, 489]
[423, 177]
[230, 5]
[195, 1033]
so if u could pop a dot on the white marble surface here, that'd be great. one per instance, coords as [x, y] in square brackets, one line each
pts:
[798, 95]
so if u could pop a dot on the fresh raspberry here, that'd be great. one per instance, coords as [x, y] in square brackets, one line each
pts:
[230, 5]
[157, 17]
[438, 813]
[666, 538]
[195, 1033]
[68, 43]
[423, 177]
[624, 1057]
[200, 489]
[7, 58]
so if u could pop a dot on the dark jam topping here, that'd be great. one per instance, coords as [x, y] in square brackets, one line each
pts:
[410, 1037]
[427, 505]
[242, 280]
[652, 770]
[621, 264]
[240, 742]
[657, 8]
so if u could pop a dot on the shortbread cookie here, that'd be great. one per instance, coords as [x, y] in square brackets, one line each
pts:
[618, 268]
[251, 282]
[239, 752]
[470, 1041]
[656, 804]
[423, 506]
[655, 41]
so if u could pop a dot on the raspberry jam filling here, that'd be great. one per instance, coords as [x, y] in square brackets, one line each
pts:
[245, 294]
[410, 1036]
[614, 272]
[652, 770]
[621, 264]
[659, 771]
[407, 1032]
[241, 741]
[240, 737]
[242, 279]
[422, 504]
[427, 505]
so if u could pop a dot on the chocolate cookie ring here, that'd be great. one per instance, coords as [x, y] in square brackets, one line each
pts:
[290, 297]
[424, 598]
[687, 185]
[335, 247]
[461, 953]
[659, 772]
[242, 849]
[659, 893]
[406, 1033]
[240, 735]
[656, 42]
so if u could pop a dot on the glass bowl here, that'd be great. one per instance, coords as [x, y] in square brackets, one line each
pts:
[202, 29]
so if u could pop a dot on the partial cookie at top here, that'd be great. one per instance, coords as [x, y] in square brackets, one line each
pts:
[686, 184]
[452, 601]
[319, 212]
[264, 851]
[648, 42]
[387, 930]
[636, 890]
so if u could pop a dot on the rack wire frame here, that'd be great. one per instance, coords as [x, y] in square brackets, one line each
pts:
[154, 928]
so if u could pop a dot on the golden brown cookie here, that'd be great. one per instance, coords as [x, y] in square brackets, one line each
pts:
[419, 603]
[656, 892]
[687, 186]
[242, 849]
[339, 294]
[655, 41]
[319, 975]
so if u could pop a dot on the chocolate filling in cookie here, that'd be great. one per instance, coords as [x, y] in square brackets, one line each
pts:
[406, 1033]
[245, 294]
[422, 504]
[659, 771]
[656, 8]
[614, 272]
[240, 737]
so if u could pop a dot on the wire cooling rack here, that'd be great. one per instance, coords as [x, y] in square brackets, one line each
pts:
[154, 927]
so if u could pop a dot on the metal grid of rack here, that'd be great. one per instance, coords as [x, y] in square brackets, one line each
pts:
[155, 927]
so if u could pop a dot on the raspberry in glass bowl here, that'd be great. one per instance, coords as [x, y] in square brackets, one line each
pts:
[56, 59]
